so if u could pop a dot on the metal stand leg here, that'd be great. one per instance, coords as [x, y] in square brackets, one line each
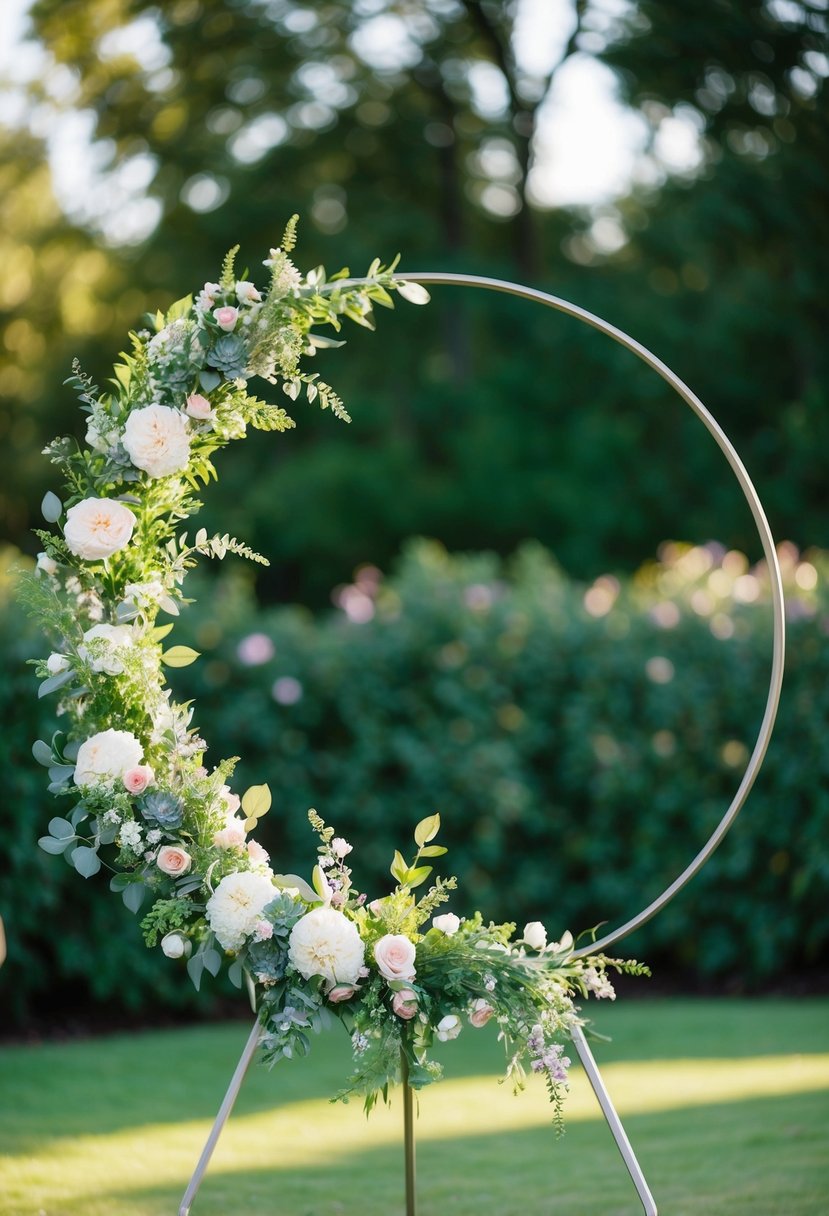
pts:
[408, 1136]
[221, 1119]
[613, 1121]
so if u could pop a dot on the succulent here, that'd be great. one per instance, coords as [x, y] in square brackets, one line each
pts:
[162, 808]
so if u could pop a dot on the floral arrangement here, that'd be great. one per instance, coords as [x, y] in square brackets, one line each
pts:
[143, 805]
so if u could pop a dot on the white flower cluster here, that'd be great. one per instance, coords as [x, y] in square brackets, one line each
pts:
[326, 943]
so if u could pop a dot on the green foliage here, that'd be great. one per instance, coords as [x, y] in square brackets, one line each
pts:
[572, 785]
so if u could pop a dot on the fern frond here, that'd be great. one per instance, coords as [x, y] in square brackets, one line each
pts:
[228, 276]
[289, 235]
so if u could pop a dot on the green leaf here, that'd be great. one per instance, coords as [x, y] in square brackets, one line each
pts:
[62, 829]
[180, 309]
[256, 801]
[133, 895]
[417, 876]
[286, 881]
[53, 683]
[50, 845]
[161, 631]
[318, 880]
[398, 867]
[59, 773]
[209, 380]
[195, 969]
[234, 973]
[415, 293]
[51, 508]
[86, 860]
[433, 850]
[212, 961]
[42, 752]
[179, 656]
[427, 829]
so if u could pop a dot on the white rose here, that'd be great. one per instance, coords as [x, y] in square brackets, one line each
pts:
[57, 663]
[174, 945]
[535, 935]
[326, 943]
[394, 955]
[236, 906]
[46, 563]
[157, 441]
[98, 527]
[105, 658]
[448, 1027]
[107, 756]
[449, 923]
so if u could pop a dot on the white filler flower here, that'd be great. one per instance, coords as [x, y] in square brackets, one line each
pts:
[104, 655]
[98, 527]
[157, 440]
[236, 906]
[326, 943]
[107, 756]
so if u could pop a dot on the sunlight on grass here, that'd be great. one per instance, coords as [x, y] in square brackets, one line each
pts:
[96, 1149]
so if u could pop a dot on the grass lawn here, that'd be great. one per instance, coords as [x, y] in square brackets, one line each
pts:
[726, 1104]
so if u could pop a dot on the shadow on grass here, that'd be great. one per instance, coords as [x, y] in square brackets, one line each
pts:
[55, 1091]
[759, 1158]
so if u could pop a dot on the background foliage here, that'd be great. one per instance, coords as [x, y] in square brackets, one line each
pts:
[480, 422]
[580, 743]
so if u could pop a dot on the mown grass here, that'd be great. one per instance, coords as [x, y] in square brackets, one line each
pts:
[726, 1104]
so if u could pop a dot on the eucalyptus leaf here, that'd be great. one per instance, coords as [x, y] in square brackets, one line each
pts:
[290, 881]
[42, 752]
[61, 828]
[212, 961]
[234, 973]
[195, 969]
[53, 683]
[59, 774]
[86, 860]
[51, 508]
[50, 844]
[134, 896]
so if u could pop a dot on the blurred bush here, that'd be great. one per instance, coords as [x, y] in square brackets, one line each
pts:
[580, 742]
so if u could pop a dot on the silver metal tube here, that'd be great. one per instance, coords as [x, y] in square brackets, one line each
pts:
[613, 1121]
[441, 279]
[222, 1117]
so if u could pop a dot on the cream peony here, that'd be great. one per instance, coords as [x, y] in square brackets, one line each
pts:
[98, 527]
[395, 957]
[157, 440]
[107, 756]
[236, 906]
[326, 943]
[105, 658]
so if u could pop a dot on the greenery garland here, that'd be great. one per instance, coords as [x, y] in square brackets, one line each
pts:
[143, 804]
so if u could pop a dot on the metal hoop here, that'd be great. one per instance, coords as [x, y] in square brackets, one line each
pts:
[441, 279]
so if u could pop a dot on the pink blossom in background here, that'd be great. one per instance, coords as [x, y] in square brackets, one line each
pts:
[255, 649]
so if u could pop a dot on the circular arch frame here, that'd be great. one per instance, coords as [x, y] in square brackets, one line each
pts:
[443, 279]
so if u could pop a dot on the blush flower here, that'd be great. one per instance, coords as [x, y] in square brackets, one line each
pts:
[199, 407]
[137, 779]
[226, 317]
[98, 527]
[480, 1013]
[448, 1027]
[394, 955]
[173, 860]
[404, 1003]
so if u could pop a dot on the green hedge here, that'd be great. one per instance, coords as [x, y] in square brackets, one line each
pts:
[579, 742]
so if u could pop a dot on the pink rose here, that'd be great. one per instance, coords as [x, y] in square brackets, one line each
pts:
[231, 801]
[480, 1013]
[226, 317]
[173, 860]
[404, 1003]
[232, 836]
[341, 992]
[198, 407]
[257, 854]
[395, 957]
[137, 779]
